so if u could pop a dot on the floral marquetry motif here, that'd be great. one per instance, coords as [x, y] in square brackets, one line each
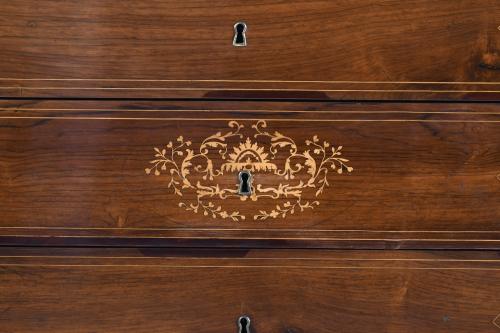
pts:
[197, 170]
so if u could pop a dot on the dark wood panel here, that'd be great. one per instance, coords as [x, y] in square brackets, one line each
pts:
[423, 175]
[362, 49]
[75, 290]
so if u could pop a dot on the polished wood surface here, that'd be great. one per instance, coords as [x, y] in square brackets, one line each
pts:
[367, 127]
[103, 290]
[361, 49]
[424, 175]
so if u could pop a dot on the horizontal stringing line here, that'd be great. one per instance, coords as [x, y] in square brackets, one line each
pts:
[266, 111]
[255, 89]
[264, 81]
[263, 259]
[255, 119]
[250, 266]
[254, 229]
[391, 240]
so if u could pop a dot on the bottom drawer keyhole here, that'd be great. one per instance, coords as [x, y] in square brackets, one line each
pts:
[244, 324]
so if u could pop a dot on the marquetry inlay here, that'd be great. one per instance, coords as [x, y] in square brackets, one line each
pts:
[496, 321]
[197, 170]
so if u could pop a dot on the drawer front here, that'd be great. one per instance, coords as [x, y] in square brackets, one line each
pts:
[363, 49]
[409, 175]
[125, 291]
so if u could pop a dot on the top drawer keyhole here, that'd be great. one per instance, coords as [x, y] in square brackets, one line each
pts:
[244, 324]
[240, 38]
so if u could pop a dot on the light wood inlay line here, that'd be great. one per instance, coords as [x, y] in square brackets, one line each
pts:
[256, 229]
[263, 111]
[253, 259]
[262, 81]
[251, 267]
[391, 240]
[261, 89]
[255, 119]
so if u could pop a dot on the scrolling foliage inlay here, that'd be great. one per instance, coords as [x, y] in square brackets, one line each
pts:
[196, 171]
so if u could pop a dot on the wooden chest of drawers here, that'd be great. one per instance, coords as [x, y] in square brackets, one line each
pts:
[269, 166]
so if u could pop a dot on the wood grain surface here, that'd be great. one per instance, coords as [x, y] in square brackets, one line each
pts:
[424, 175]
[124, 125]
[103, 290]
[361, 49]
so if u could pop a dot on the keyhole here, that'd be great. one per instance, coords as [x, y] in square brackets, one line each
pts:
[245, 182]
[240, 38]
[244, 324]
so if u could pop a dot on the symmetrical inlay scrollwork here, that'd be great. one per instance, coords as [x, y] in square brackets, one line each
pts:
[196, 171]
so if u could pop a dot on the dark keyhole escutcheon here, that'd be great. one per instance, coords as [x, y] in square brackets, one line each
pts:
[244, 324]
[240, 38]
[245, 187]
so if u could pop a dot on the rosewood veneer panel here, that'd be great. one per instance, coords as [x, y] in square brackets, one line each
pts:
[101, 290]
[362, 49]
[422, 175]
